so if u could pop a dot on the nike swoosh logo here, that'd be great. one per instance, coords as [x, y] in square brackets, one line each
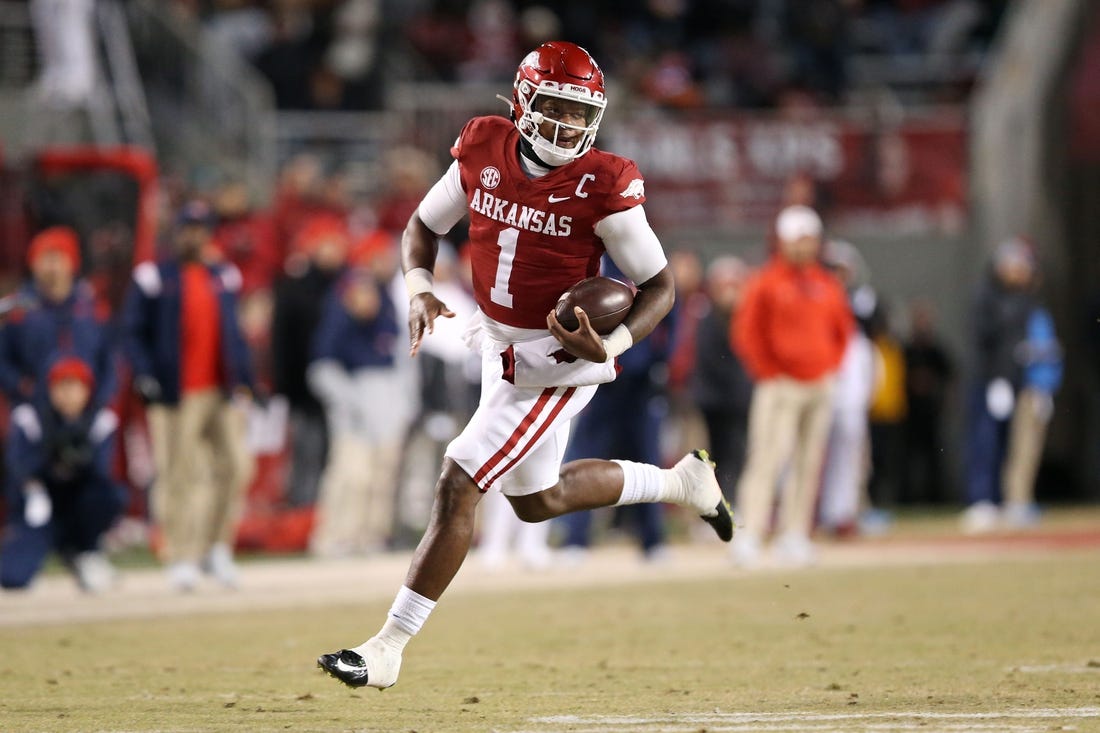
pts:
[557, 199]
[345, 667]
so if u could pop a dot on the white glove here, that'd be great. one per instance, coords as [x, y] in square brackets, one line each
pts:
[1000, 399]
[37, 507]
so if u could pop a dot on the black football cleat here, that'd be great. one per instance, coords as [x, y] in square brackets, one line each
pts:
[351, 668]
[346, 666]
[721, 521]
[706, 495]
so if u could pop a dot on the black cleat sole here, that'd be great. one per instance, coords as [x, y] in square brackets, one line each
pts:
[722, 521]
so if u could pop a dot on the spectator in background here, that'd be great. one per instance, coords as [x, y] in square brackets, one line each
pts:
[888, 410]
[501, 533]
[246, 237]
[790, 331]
[495, 33]
[1004, 305]
[928, 375]
[410, 172]
[57, 316]
[1041, 359]
[843, 480]
[450, 387]
[624, 419]
[720, 386]
[320, 255]
[60, 492]
[193, 369]
[685, 427]
[354, 374]
[816, 32]
[304, 193]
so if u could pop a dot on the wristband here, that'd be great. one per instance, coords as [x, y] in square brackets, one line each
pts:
[617, 341]
[418, 280]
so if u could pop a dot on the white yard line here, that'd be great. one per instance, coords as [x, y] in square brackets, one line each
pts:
[1083, 668]
[1006, 720]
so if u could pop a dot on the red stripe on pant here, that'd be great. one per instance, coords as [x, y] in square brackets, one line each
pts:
[534, 438]
[513, 439]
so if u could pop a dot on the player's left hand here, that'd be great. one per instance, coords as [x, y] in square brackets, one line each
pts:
[584, 343]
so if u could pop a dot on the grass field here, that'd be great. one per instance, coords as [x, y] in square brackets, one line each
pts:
[992, 643]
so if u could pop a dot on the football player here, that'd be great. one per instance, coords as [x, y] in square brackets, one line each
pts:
[544, 205]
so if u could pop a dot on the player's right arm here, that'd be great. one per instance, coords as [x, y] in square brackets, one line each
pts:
[440, 210]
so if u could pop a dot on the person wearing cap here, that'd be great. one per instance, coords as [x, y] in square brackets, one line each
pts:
[193, 369]
[720, 385]
[844, 474]
[60, 492]
[319, 259]
[355, 372]
[56, 314]
[791, 331]
[1017, 368]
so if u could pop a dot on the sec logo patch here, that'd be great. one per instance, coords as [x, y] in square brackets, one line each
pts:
[490, 177]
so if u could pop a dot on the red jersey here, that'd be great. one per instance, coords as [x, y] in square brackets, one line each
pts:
[531, 239]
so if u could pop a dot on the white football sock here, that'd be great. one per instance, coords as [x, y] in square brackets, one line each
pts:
[406, 617]
[645, 483]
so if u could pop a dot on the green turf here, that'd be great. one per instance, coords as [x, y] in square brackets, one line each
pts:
[966, 638]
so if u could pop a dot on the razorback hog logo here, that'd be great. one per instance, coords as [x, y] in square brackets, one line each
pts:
[635, 189]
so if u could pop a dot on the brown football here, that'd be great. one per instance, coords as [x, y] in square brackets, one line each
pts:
[606, 302]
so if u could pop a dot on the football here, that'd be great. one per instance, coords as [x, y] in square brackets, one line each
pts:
[605, 300]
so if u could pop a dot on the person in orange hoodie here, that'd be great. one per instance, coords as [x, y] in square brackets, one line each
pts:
[790, 332]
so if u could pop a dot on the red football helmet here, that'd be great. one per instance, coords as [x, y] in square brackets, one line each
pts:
[566, 71]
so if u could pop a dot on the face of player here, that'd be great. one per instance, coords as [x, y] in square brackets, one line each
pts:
[573, 116]
[53, 275]
[801, 251]
[69, 397]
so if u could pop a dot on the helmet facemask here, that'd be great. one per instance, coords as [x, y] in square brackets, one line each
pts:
[529, 99]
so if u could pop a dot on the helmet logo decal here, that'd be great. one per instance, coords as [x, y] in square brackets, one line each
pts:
[635, 189]
[490, 177]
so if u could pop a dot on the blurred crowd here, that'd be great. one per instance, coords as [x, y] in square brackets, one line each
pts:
[254, 389]
[341, 54]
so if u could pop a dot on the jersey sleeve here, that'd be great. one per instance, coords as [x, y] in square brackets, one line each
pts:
[445, 203]
[632, 244]
[459, 145]
[628, 190]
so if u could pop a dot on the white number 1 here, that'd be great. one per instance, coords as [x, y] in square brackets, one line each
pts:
[506, 240]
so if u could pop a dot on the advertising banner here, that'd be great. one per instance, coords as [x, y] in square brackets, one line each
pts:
[907, 177]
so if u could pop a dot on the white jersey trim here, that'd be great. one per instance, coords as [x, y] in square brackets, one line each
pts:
[445, 203]
[632, 244]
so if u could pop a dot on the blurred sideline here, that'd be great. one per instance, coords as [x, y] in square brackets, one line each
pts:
[303, 583]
